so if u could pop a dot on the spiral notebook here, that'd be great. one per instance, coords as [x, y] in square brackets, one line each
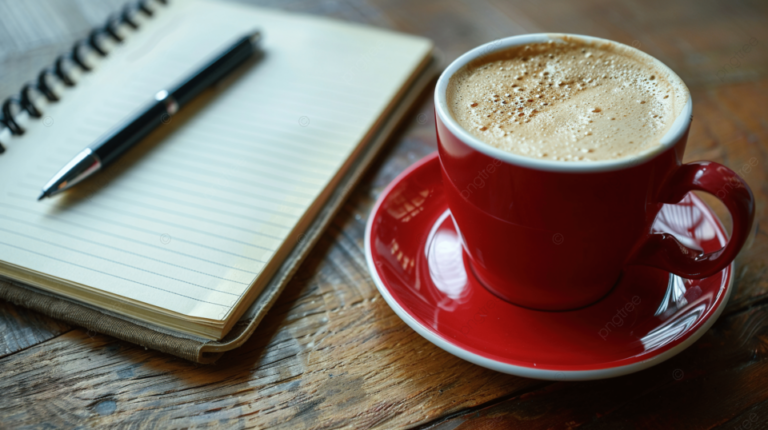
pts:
[184, 233]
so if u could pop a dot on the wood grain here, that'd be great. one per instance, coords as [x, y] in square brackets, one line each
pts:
[331, 354]
[22, 328]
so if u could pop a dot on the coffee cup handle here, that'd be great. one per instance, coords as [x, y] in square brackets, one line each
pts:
[663, 251]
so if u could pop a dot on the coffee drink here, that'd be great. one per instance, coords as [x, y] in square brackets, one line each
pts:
[567, 100]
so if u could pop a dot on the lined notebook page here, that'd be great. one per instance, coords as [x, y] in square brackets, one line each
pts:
[187, 221]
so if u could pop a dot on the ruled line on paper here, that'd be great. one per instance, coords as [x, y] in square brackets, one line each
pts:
[187, 204]
[257, 141]
[161, 173]
[317, 134]
[263, 249]
[300, 190]
[309, 138]
[290, 217]
[122, 211]
[127, 191]
[261, 150]
[157, 233]
[261, 205]
[267, 181]
[120, 263]
[318, 88]
[349, 106]
[326, 127]
[316, 79]
[285, 168]
[267, 209]
[329, 110]
[239, 199]
[136, 254]
[256, 149]
[232, 166]
[158, 247]
[113, 275]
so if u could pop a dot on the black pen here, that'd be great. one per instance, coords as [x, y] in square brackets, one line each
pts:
[167, 102]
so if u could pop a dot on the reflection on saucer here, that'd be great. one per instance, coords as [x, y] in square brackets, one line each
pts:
[673, 328]
[674, 297]
[446, 263]
[407, 204]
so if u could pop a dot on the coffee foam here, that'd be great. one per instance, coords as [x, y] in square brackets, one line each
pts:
[567, 100]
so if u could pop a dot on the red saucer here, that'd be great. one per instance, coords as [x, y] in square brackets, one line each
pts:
[417, 262]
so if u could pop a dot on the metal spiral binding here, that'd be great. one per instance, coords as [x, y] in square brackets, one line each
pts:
[44, 84]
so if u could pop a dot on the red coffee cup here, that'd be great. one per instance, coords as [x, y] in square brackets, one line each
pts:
[556, 235]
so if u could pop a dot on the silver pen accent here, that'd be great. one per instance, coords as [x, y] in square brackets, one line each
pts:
[83, 165]
[171, 105]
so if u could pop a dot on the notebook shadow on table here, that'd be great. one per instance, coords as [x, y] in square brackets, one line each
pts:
[96, 184]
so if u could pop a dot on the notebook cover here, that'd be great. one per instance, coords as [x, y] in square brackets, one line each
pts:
[195, 348]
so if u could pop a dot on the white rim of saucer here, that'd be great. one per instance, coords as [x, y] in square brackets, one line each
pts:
[676, 131]
[527, 372]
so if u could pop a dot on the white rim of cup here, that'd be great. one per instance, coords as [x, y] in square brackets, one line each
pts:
[676, 131]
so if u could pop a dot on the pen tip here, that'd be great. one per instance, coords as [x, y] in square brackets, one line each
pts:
[42, 196]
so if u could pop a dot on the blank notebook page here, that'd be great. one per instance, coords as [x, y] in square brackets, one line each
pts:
[187, 221]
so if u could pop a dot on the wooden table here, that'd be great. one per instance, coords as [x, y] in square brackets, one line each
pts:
[332, 354]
